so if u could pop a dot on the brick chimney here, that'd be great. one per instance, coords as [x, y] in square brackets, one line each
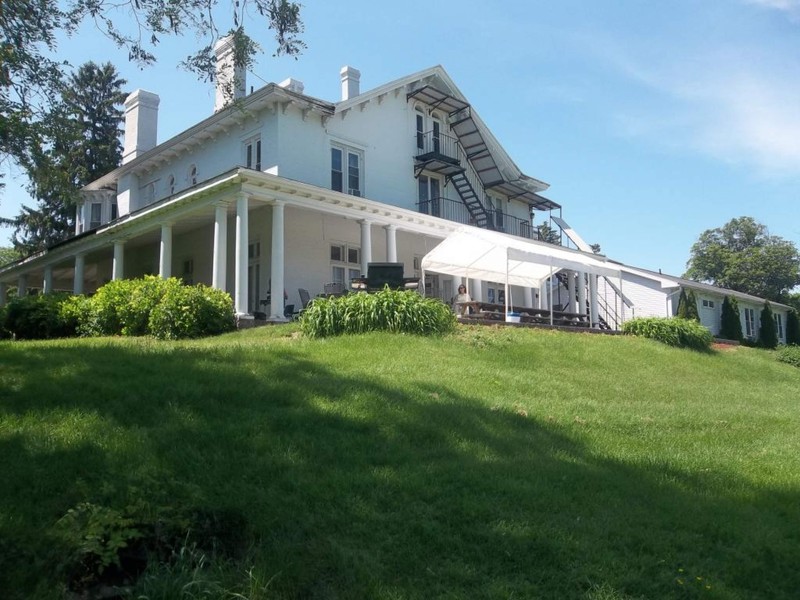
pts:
[141, 124]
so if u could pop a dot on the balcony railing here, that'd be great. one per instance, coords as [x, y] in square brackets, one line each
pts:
[454, 210]
[436, 145]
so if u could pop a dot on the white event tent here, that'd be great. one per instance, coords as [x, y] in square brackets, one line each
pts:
[493, 256]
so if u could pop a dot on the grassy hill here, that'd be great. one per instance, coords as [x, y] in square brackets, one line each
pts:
[493, 463]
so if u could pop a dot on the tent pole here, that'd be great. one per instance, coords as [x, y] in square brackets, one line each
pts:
[551, 294]
[422, 280]
[621, 300]
[505, 296]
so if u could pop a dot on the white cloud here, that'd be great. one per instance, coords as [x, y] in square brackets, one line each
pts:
[783, 5]
[739, 105]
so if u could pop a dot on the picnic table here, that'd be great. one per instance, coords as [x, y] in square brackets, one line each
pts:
[494, 311]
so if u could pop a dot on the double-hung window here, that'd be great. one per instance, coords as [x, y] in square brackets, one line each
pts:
[345, 263]
[778, 324]
[346, 168]
[749, 323]
[95, 215]
[252, 153]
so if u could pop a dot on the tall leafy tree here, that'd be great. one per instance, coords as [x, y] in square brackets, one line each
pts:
[80, 143]
[31, 74]
[743, 256]
[8, 255]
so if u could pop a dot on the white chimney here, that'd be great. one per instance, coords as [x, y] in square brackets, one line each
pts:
[231, 80]
[141, 124]
[350, 82]
[292, 85]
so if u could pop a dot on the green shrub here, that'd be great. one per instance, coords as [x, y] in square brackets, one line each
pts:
[388, 310]
[730, 321]
[164, 308]
[191, 312]
[768, 334]
[102, 315]
[792, 328]
[4, 333]
[39, 317]
[789, 355]
[675, 331]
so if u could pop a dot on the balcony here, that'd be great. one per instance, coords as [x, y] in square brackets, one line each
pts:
[438, 153]
[456, 211]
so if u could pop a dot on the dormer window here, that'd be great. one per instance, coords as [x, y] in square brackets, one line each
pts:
[252, 153]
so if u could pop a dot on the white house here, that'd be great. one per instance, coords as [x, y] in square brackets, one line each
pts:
[283, 191]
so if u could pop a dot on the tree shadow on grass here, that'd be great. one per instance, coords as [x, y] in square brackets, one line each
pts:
[359, 488]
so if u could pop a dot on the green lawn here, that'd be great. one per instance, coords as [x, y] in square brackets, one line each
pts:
[493, 463]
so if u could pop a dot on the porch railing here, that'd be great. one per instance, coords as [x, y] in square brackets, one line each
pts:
[454, 210]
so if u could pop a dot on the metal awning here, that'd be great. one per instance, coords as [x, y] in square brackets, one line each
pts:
[436, 98]
[516, 191]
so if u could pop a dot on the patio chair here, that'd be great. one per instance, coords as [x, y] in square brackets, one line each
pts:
[305, 298]
[288, 311]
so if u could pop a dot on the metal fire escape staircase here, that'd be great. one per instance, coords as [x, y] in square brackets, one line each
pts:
[466, 160]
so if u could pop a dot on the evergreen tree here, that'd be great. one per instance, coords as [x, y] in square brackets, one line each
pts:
[83, 130]
[730, 322]
[549, 235]
[792, 328]
[768, 336]
[682, 305]
[691, 306]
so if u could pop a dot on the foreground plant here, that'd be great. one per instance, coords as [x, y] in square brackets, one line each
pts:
[388, 310]
[675, 331]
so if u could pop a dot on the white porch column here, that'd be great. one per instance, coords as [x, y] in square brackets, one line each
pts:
[3, 293]
[242, 241]
[391, 243]
[219, 270]
[593, 314]
[477, 290]
[581, 293]
[165, 255]
[527, 296]
[366, 246]
[571, 291]
[22, 286]
[77, 282]
[47, 284]
[543, 294]
[278, 262]
[118, 269]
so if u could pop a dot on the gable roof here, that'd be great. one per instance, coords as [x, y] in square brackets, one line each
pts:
[236, 113]
[436, 77]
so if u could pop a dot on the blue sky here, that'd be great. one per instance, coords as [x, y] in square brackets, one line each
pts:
[651, 121]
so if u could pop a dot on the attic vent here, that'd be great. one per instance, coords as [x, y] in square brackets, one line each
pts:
[293, 85]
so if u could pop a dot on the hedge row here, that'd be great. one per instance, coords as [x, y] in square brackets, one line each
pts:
[388, 310]
[789, 355]
[163, 308]
[674, 331]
